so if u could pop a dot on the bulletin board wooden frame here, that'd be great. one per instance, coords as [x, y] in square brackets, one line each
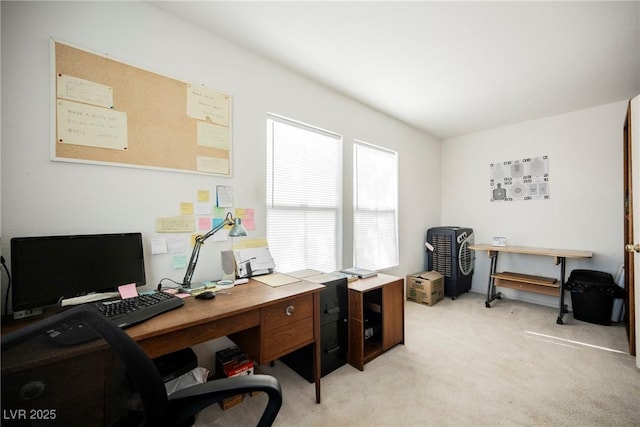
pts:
[155, 122]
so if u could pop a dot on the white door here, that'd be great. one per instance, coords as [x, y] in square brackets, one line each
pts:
[632, 223]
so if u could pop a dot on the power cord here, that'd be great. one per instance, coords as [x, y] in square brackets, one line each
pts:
[6, 297]
[171, 280]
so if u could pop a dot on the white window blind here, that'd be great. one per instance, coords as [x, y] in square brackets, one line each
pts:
[375, 207]
[303, 196]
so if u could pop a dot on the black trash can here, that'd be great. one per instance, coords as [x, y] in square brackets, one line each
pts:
[592, 295]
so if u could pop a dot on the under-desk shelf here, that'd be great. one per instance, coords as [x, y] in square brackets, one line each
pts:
[372, 349]
[527, 282]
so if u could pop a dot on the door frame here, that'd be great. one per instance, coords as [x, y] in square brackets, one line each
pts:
[631, 152]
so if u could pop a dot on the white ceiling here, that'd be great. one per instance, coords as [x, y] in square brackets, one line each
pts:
[448, 68]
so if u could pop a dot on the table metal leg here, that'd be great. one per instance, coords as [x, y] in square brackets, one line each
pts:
[562, 309]
[491, 287]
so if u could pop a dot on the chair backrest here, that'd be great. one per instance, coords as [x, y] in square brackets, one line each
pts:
[70, 384]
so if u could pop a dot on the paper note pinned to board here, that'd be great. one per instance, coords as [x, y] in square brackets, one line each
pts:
[82, 124]
[85, 91]
[214, 136]
[203, 103]
[212, 164]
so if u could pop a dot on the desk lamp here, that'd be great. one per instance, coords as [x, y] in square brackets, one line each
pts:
[236, 231]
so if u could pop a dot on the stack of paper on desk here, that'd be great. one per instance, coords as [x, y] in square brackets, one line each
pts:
[276, 279]
[301, 274]
[360, 272]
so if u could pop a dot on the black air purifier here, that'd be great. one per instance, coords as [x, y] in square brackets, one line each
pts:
[448, 253]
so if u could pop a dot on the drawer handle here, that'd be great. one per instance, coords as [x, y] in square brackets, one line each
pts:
[289, 310]
[31, 390]
[333, 349]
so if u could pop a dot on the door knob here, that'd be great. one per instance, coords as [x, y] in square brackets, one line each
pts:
[631, 248]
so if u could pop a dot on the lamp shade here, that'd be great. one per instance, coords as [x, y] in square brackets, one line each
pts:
[237, 229]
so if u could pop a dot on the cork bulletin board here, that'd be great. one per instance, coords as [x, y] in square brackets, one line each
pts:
[109, 112]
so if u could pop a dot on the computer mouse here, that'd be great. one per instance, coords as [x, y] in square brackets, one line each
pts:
[206, 295]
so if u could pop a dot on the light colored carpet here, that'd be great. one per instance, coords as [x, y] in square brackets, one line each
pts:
[465, 365]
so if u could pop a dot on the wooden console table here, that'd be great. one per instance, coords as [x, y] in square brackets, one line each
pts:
[526, 282]
[376, 307]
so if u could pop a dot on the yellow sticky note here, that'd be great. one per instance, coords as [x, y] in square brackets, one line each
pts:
[186, 208]
[203, 195]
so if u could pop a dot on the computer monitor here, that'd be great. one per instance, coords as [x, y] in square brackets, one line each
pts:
[48, 269]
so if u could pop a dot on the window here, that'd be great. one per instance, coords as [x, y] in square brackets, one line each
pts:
[303, 196]
[375, 197]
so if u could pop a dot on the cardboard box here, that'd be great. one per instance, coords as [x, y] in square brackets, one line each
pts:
[257, 371]
[238, 368]
[425, 288]
[230, 402]
[232, 362]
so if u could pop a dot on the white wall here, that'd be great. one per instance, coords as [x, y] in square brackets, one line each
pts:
[585, 207]
[41, 197]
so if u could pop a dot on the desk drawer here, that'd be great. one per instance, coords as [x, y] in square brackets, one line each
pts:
[68, 392]
[287, 312]
[284, 326]
[287, 326]
[285, 339]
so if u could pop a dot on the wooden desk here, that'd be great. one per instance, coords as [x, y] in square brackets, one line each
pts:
[252, 305]
[268, 322]
[382, 296]
[526, 282]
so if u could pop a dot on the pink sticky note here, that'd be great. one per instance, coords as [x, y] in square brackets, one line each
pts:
[128, 291]
[204, 223]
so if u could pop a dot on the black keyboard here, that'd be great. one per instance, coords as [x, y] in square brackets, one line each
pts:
[124, 313]
[130, 311]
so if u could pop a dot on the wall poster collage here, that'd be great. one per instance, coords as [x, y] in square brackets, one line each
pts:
[522, 179]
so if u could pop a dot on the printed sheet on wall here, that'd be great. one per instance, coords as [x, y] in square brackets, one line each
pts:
[522, 179]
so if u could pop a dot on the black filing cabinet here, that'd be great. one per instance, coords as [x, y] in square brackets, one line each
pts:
[333, 334]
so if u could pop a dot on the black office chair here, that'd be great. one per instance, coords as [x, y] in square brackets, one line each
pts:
[37, 375]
